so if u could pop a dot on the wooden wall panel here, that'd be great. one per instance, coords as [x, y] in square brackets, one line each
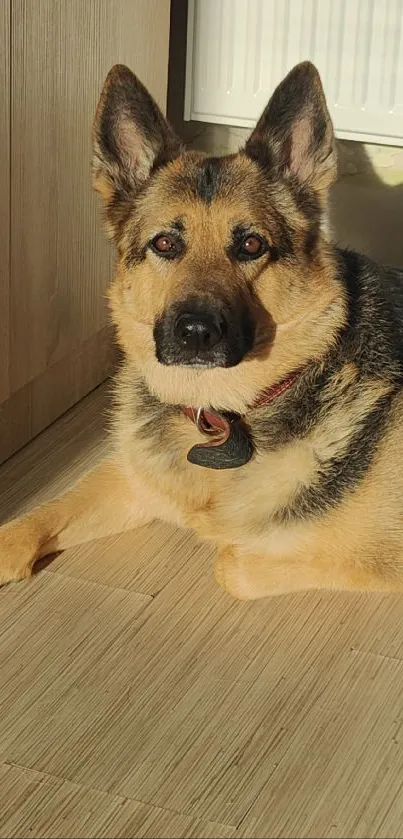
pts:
[4, 196]
[60, 260]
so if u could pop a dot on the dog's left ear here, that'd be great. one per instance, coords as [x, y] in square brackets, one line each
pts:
[131, 138]
[294, 135]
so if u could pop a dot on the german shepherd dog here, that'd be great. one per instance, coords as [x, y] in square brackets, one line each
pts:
[260, 397]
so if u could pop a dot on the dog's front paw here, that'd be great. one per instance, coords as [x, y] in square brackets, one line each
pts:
[17, 552]
[232, 575]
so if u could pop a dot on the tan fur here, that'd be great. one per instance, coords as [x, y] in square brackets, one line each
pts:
[358, 544]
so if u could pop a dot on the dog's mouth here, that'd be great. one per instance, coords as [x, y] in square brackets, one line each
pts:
[200, 334]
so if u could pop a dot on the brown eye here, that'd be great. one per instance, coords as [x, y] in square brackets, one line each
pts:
[166, 246]
[163, 244]
[251, 247]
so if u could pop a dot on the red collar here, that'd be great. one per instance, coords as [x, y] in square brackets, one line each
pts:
[271, 393]
[218, 424]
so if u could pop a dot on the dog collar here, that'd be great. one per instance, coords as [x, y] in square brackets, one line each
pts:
[229, 445]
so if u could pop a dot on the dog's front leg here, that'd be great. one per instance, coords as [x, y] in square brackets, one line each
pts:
[252, 576]
[101, 503]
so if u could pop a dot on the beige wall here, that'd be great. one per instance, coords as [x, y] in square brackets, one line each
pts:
[367, 200]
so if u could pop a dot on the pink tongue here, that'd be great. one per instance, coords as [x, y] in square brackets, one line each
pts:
[211, 423]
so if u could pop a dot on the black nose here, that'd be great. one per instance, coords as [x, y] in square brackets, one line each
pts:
[198, 333]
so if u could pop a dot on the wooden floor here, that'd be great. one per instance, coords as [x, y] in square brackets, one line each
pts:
[138, 700]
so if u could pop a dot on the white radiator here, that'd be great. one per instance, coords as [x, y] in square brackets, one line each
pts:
[238, 50]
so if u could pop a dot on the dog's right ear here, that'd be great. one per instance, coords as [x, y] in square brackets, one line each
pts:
[131, 138]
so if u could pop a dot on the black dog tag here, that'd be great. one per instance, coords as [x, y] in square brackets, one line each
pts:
[230, 445]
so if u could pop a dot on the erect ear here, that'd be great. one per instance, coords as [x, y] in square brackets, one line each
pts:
[131, 138]
[295, 133]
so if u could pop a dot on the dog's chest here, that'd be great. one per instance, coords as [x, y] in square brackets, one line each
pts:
[223, 505]
[244, 501]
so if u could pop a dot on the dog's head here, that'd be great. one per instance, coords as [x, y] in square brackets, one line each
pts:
[225, 280]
